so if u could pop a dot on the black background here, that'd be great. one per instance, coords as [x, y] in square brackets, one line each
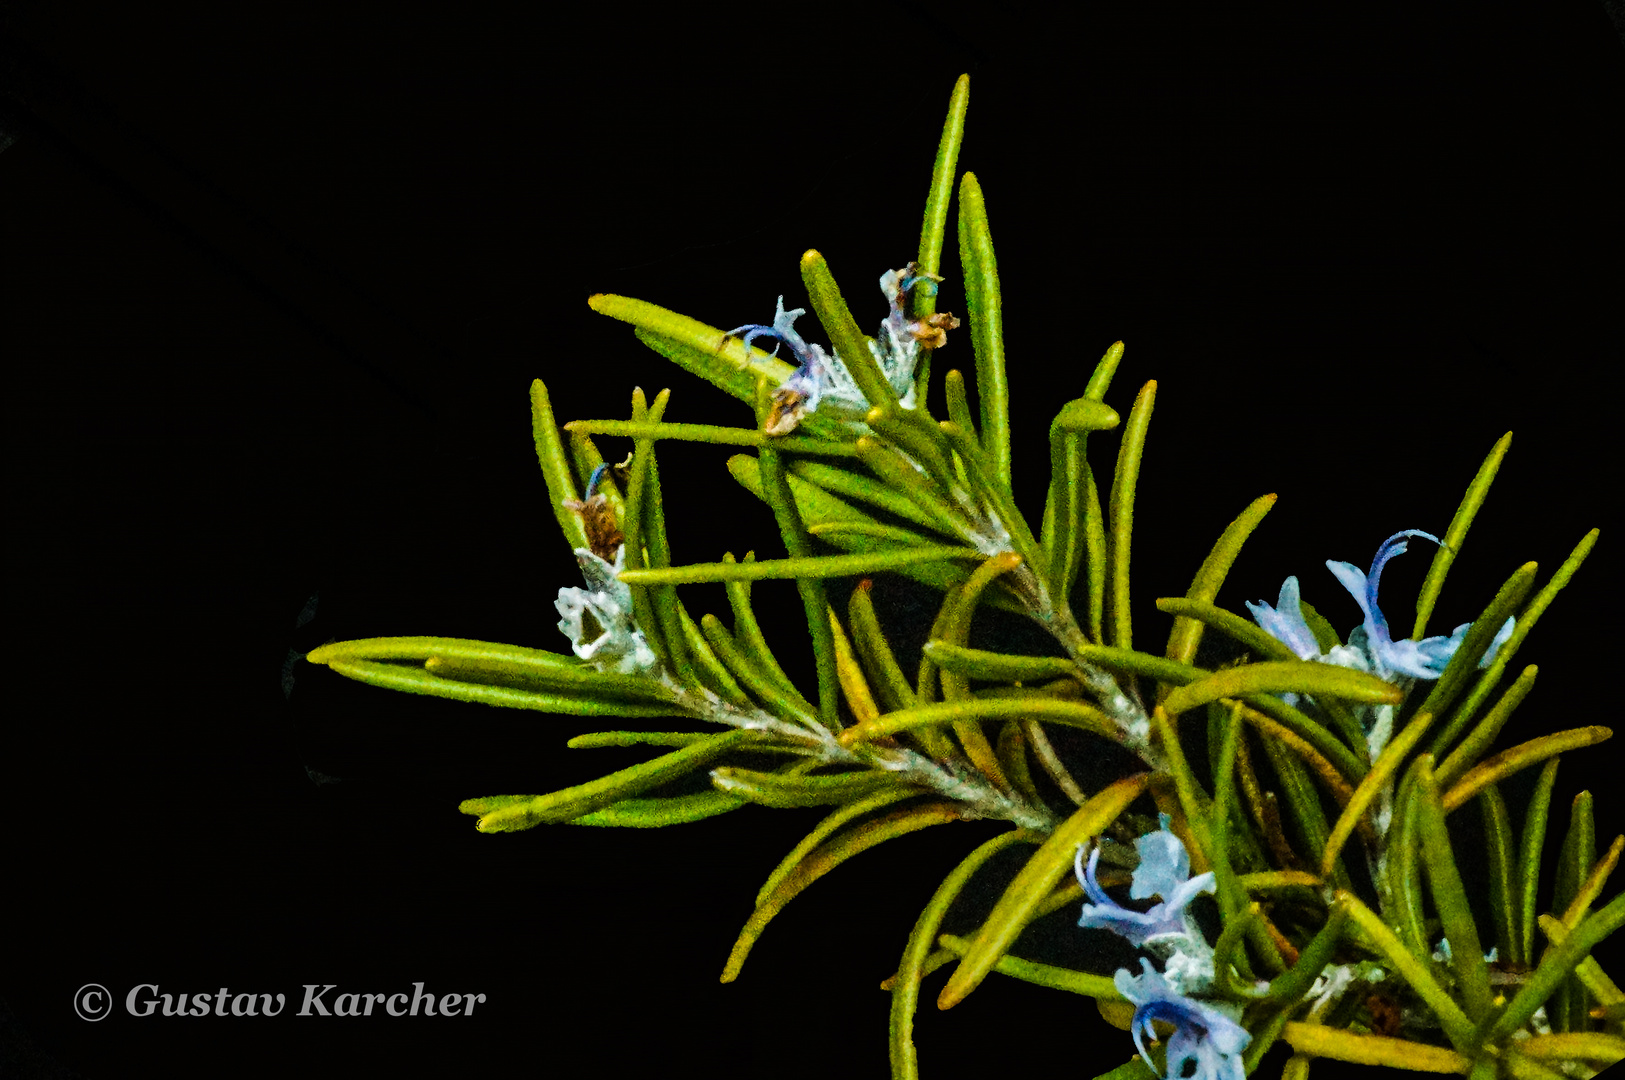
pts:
[277, 280]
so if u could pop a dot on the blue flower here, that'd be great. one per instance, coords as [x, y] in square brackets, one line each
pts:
[1202, 1033]
[1164, 870]
[824, 379]
[1285, 622]
[1371, 646]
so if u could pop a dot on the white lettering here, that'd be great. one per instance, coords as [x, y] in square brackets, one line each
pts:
[468, 1003]
[312, 997]
[390, 1005]
[419, 996]
[150, 1003]
[265, 1005]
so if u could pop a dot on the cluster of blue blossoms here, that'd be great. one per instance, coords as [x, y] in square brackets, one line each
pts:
[1206, 1033]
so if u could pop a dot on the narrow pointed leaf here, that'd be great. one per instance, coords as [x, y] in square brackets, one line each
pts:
[1033, 883]
[495, 660]
[595, 740]
[1251, 636]
[710, 433]
[659, 813]
[1303, 801]
[1187, 632]
[1381, 1050]
[844, 335]
[725, 362]
[1084, 415]
[997, 667]
[783, 701]
[555, 463]
[1558, 963]
[906, 985]
[1076, 714]
[1382, 770]
[774, 789]
[1450, 896]
[1125, 481]
[1277, 676]
[1046, 975]
[1466, 755]
[1456, 534]
[856, 485]
[815, 566]
[1568, 1046]
[934, 225]
[416, 680]
[1531, 845]
[1495, 769]
[1501, 863]
[1610, 998]
[826, 858]
[1592, 886]
[1463, 665]
[747, 632]
[986, 310]
[1457, 1028]
[1490, 678]
[1326, 745]
[821, 832]
[598, 794]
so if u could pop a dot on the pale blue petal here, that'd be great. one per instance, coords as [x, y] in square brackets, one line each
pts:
[1285, 622]
[1164, 865]
[1501, 637]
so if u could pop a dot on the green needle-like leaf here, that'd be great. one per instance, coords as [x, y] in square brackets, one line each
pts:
[815, 566]
[822, 831]
[856, 485]
[1464, 664]
[1592, 886]
[934, 226]
[1562, 1047]
[1077, 714]
[1610, 998]
[906, 984]
[1278, 676]
[1319, 1040]
[826, 858]
[748, 632]
[658, 813]
[1579, 851]
[773, 789]
[848, 340]
[509, 814]
[1501, 863]
[783, 700]
[487, 661]
[1048, 975]
[1187, 632]
[1033, 883]
[1450, 896]
[709, 433]
[1558, 964]
[1527, 618]
[1252, 636]
[1484, 732]
[416, 680]
[1297, 982]
[1495, 769]
[555, 464]
[725, 362]
[1382, 770]
[1307, 816]
[996, 667]
[1456, 534]
[1125, 480]
[1530, 848]
[1457, 1028]
[986, 311]
[595, 740]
